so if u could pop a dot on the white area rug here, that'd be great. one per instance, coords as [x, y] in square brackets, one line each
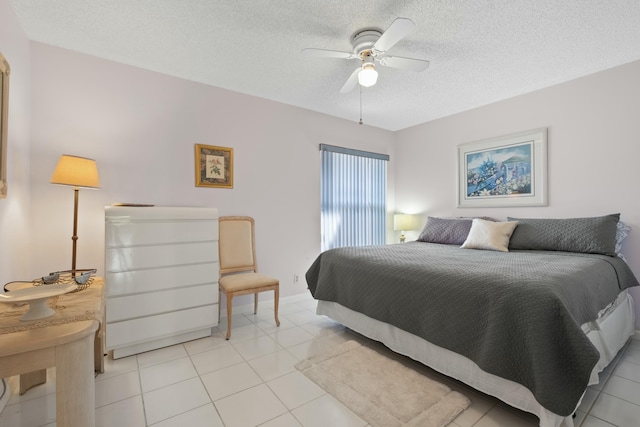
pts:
[382, 391]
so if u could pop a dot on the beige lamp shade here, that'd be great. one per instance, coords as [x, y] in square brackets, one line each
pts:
[76, 171]
[403, 222]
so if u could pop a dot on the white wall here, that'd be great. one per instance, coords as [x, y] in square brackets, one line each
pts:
[142, 126]
[14, 210]
[593, 152]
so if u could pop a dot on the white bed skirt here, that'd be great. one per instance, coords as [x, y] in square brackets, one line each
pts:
[609, 334]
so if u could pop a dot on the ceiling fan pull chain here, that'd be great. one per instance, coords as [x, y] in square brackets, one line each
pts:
[360, 122]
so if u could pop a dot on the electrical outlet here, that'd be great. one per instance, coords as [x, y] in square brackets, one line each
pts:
[296, 278]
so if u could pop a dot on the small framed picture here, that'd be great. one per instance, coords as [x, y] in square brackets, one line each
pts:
[214, 166]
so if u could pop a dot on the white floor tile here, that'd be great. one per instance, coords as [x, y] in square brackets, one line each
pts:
[309, 304]
[284, 420]
[269, 326]
[250, 407]
[616, 411]
[301, 317]
[128, 412]
[634, 343]
[237, 320]
[203, 416]
[215, 359]
[163, 374]
[327, 411]
[227, 381]
[290, 308]
[624, 389]
[167, 402]
[250, 331]
[274, 365]
[628, 370]
[632, 355]
[250, 349]
[292, 336]
[590, 421]
[161, 355]
[322, 326]
[114, 389]
[208, 343]
[317, 346]
[264, 314]
[118, 366]
[295, 389]
[31, 413]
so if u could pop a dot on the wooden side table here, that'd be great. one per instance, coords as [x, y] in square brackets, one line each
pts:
[68, 347]
[65, 340]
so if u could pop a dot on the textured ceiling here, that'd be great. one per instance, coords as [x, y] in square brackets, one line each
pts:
[481, 51]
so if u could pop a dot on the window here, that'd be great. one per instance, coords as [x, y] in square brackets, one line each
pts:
[353, 197]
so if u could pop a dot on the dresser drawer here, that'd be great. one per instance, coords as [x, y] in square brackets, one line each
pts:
[129, 233]
[134, 331]
[142, 257]
[133, 306]
[159, 279]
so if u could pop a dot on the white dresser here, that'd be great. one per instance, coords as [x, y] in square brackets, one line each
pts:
[161, 276]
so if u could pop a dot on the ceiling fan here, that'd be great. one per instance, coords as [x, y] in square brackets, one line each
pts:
[370, 47]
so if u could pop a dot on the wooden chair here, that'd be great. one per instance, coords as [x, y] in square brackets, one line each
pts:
[238, 267]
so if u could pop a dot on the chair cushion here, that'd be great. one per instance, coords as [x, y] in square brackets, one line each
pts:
[244, 281]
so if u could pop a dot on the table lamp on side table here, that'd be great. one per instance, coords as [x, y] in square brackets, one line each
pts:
[402, 223]
[76, 172]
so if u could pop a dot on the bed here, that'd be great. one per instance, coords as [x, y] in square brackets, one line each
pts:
[526, 310]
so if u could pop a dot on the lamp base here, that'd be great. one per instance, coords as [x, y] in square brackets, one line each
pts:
[402, 238]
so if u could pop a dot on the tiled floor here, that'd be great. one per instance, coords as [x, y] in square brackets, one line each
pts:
[251, 380]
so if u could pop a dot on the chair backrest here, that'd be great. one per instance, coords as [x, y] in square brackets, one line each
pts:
[236, 244]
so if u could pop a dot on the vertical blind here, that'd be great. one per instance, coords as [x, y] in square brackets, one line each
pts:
[353, 197]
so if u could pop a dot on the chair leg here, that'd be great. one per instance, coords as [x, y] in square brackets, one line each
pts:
[229, 310]
[219, 299]
[276, 297]
[255, 303]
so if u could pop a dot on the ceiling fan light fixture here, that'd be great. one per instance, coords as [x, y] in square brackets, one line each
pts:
[368, 76]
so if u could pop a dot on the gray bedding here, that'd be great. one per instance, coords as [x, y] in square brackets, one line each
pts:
[516, 314]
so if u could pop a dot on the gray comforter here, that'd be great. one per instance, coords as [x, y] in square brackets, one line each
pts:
[516, 315]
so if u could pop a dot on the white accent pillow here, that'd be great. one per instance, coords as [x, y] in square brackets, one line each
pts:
[493, 236]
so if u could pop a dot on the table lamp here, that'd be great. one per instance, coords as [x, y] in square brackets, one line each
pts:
[402, 223]
[76, 172]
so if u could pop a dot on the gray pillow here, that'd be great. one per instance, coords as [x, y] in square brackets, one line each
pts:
[595, 235]
[449, 231]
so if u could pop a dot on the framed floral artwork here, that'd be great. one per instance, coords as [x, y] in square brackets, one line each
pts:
[502, 172]
[214, 166]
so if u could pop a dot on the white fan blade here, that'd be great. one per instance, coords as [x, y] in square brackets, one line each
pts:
[325, 53]
[404, 63]
[396, 31]
[351, 82]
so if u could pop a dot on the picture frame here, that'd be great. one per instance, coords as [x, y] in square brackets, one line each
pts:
[214, 166]
[5, 70]
[507, 171]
